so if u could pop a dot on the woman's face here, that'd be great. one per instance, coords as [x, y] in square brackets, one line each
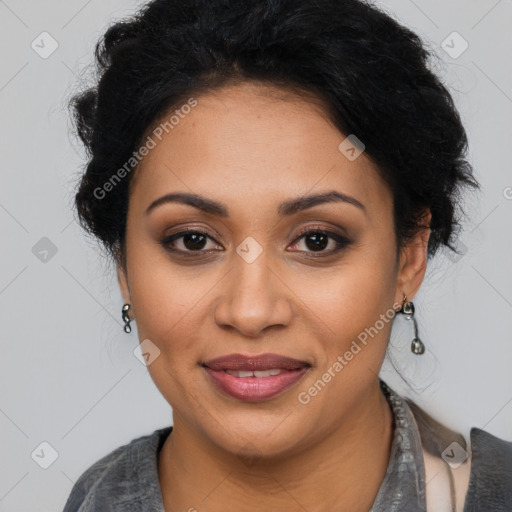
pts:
[251, 283]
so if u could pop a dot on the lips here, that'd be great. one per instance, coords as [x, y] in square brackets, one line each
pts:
[255, 378]
[252, 363]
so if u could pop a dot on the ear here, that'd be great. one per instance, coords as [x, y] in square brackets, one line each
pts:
[123, 284]
[413, 261]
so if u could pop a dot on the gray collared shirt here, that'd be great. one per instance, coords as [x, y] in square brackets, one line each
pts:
[403, 487]
[127, 478]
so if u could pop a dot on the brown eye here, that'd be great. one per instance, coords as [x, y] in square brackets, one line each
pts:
[192, 241]
[317, 240]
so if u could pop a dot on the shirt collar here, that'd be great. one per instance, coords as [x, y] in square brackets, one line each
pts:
[403, 487]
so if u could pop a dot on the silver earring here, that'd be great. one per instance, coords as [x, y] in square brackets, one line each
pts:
[126, 318]
[407, 309]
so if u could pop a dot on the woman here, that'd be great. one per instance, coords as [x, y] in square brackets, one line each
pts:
[270, 178]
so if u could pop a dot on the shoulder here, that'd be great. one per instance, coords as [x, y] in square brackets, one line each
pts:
[490, 484]
[126, 476]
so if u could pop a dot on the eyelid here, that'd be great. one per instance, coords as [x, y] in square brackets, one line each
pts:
[184, 228]
[318, 227]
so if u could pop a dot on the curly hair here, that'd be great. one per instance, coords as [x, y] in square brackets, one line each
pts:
[371, 72]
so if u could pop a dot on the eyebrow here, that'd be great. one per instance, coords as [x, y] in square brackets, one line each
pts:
[286, 208]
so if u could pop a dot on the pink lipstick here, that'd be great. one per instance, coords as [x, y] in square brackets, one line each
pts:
[255, 378]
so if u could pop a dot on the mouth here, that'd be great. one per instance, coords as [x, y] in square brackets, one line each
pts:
[255, 378]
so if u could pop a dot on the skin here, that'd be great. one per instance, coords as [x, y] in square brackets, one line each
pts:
[251, 147]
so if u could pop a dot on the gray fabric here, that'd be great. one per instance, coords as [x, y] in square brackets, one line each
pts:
[490, 484]
[403, 487]
[127, 478]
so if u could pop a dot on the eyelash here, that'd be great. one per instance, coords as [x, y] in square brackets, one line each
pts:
[342, 242]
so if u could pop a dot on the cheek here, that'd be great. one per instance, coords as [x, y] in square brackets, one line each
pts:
[354, 296]
[166, 307]
[166, 301]
[358, 310]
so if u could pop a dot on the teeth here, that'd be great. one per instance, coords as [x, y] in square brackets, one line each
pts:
[267, 373]
[257, 373]
[244, 374]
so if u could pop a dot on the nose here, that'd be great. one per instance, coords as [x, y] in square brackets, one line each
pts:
[255, 298]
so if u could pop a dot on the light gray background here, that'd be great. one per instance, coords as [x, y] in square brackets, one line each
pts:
[68, 373]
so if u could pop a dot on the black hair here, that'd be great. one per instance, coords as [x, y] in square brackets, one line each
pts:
[372, 73]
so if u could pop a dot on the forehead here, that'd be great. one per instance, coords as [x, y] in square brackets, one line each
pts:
[253, 145]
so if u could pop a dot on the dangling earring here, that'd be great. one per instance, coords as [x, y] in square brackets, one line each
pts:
[126, 318]
[417, 346]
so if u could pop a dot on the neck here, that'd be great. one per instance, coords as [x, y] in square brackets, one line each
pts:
[345, 469]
